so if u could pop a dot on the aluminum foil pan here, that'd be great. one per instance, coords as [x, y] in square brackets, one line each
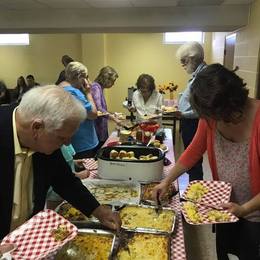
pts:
[147, 219]
[78, 249]
[136, 245]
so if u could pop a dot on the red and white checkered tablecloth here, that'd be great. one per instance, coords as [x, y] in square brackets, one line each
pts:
[34, 239]
[177, 241]
[90, 164]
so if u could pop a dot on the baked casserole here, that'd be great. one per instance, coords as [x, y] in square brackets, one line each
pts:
[146, 217]
[72, 214]
[87, 246]
[146, 247]
[148, 190]
[107, 193]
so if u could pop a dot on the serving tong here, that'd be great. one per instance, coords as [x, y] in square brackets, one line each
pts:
[130, 127]
[123, 240]
[210, 206]
[158, 208]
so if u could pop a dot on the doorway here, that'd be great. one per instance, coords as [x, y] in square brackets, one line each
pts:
[230, 41]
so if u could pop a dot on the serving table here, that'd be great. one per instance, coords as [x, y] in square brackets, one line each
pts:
[170, 120]
[177, 240]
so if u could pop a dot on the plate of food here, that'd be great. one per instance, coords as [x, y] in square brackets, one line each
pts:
[102, 113]
[203, 203]
[40, 236]
[169, 109]
[157, 144]
[208, 193]
[119, 116]
[150, 117]
[196, 214]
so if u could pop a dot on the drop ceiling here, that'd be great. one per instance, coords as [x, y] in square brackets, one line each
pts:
[122, 15]
[79, 4]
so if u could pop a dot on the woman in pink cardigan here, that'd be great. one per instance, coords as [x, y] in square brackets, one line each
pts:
[229, 130]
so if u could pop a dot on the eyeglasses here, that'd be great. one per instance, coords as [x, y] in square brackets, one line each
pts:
[83, 76]
[185, 60]
[84, 79]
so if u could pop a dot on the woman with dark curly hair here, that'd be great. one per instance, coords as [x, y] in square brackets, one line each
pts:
[146, 100]
[229, 130]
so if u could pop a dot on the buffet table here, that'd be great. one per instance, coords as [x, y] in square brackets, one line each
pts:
[170, 120]
[177, 241]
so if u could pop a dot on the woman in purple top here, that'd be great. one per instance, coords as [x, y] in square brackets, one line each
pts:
[105, 79]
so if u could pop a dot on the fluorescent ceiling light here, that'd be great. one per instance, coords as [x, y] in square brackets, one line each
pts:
[14, 39]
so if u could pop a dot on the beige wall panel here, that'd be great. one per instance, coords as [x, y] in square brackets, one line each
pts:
[250, 80]
[134, 54]
[246, 63]
[247, 49]
[93, 52]
[41, 58]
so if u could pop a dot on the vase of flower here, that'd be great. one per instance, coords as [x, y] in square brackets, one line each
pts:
[171, 87]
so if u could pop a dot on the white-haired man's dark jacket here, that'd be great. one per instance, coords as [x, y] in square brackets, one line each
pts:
[48, 170]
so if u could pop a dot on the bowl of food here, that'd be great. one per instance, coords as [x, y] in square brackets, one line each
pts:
[151, 126]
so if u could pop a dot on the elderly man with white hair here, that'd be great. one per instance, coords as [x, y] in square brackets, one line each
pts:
[191, 56]
[31, 161]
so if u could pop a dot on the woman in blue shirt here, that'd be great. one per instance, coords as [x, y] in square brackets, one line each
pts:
[85, 140]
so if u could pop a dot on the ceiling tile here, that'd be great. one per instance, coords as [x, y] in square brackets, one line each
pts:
[237, 2]
[64, 4]
[154, 3]
[109, 3]
[80, 4]
[199, 2]
[21, 5]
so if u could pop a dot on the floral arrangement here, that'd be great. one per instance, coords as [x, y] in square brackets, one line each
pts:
[171, 87]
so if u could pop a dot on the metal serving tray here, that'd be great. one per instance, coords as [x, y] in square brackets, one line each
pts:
[150, 230]
[123, 241]
[85, 222]
[70, 251]
[146, 198]
[118, 199]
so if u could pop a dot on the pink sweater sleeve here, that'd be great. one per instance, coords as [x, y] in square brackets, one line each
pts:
[197, 147]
